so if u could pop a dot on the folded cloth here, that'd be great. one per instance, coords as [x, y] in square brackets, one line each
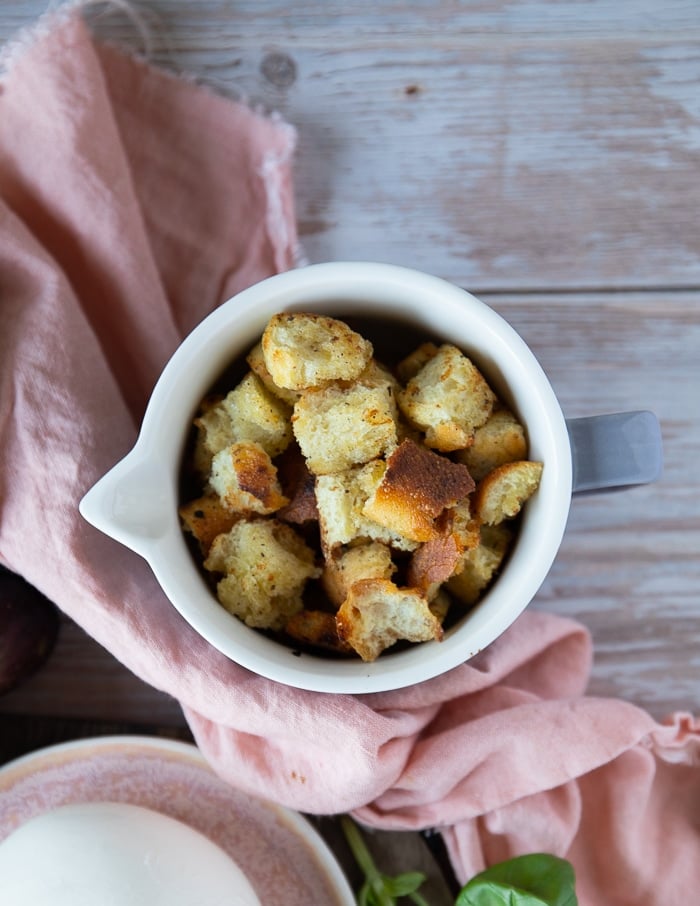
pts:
[131, 204]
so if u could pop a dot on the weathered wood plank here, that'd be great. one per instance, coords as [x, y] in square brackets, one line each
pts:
[501, 145]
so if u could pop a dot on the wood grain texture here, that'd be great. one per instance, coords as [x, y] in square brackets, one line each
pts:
[543, 154]
[500, 145]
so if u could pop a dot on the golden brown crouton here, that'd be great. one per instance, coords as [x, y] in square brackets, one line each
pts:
[448, 399]
[376, 614]
[502, 493]
[434, 562]
[317, 629]
[212, 433]
[500, 440]
[298, 485]
[248, 414]
[266, 566]
[416, 487]
[481, 564]
[246, 480]
[339, 427]
[366, 561]
[304, 350]
[410, 366]
[256, 361]
[205, 518]
[341, 499]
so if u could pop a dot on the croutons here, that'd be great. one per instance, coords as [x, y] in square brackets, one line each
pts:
[341, 498]
[338, 427]
[376, 614]
[500, 440]
[298, 485]
[366, 561]
[307, 350]
[415, 488]
[316, 629]
[376, 469]
[502, 493]
[448, 399]
[205, 518]
[410, 366]
[434, 562]
[481, 564]
[245, 479]
[266, 566]
[248, 414]
[256, 361]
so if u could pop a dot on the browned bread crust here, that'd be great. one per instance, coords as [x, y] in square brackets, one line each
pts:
[417, 486]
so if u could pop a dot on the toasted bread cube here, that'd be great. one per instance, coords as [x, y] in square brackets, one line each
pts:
[410, 366]
[246, 480]
[248, 414]
[303, 350]
[366, 561]
[434, 562]
[378, 375]
[341, 498]
[503, 492]
[481, 564]
[205, 518]
[317, 629]
[500, 440]
[298, 484]
[266, 566]
[338, 427]
[376, 614]
[415, 488]
[256, 361]
[448, 399]
[212, 433]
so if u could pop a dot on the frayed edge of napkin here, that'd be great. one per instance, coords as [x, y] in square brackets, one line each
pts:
[57, 14]
[288, 250]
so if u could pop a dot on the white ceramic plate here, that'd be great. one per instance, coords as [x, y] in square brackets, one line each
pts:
[284, 858]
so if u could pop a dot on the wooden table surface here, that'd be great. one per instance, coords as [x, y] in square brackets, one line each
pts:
[544, 155]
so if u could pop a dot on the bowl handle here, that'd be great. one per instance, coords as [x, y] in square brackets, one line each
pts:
[133, 503]
[615, 451]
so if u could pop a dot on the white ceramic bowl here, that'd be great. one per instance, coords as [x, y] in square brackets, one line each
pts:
[136, 502]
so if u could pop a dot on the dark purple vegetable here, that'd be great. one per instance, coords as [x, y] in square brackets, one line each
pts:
[28, 629]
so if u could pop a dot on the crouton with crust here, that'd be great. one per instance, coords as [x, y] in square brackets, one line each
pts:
[205, 518]
[248, 414]
[317, 629]
[409, 366]
[245, 480]
[503, 492]
[481, 564]
[297, 484]
[448, 399]
[341, 499]
[265, 566]
[256, 362]
[376, 614]
[304, 350]
[434, 562]
[499, 440]
[366, 561]
[416, 487]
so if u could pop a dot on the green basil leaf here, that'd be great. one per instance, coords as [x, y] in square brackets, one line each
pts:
[403, 884]
[537, 879]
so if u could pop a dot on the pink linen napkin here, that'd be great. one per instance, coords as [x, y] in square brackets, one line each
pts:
[131, 204]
